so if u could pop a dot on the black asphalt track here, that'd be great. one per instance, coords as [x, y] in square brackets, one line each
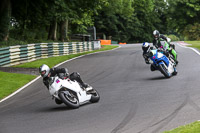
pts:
[133, 99]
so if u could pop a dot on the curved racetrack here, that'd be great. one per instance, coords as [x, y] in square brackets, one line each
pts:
[133, 99]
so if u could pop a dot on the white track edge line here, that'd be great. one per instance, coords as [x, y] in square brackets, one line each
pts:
[196, 51]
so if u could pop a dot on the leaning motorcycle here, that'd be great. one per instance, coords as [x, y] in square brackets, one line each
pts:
[165, 65]
[70, 92]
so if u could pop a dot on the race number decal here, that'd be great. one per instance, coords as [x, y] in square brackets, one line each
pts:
[57, 81]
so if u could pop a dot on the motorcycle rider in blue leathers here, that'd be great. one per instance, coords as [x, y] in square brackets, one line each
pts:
[155, 57]
[146, 51]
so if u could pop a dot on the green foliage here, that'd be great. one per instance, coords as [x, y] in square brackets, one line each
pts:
[133, 23]
[160, 16]
[5, 13]
[123, 20]
[144, 10]
[117, 20]
[11, 42]
[32, 20]
[192, 32]
[183, 13]
[173, 37]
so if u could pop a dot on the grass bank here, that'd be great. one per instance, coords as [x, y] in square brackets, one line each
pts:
[190, 128]
[10, 82]
[195, 44]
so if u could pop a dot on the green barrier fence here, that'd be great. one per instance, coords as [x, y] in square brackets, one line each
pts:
[15, 55]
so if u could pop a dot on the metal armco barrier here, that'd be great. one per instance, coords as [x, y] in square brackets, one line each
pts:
[15, 55]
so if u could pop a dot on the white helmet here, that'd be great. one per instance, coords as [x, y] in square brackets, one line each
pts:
[145, 46]
[156, 34]
[44, 70]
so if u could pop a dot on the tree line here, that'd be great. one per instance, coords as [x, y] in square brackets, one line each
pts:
[121, 20]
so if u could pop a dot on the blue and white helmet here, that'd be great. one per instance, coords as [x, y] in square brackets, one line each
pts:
[145, 46]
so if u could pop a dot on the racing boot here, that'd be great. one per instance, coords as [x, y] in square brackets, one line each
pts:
[175, 71]
[172, 46]
[152, 67]
[58, 101]
[176, 62]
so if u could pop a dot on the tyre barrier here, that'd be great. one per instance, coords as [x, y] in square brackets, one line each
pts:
[19, 54]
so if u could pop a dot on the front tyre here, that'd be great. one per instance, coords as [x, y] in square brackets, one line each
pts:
[164, 70]
[69, 99]
[95, 96]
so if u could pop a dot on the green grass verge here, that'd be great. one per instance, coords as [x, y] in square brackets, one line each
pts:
[52, 61]
[190, 128]
[10, 82]
[195, 44]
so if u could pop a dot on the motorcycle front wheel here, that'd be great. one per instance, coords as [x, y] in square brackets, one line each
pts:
[95, 96]
[164, 70]
[69, 98]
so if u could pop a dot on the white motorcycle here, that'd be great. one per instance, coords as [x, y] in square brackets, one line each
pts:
[71, 93]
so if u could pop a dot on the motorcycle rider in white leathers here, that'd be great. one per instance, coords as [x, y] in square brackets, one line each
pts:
[62, 73]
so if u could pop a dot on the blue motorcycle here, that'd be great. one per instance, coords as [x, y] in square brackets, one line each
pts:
[165, 65]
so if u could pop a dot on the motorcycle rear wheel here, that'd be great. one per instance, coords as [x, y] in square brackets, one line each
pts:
[69, 99]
